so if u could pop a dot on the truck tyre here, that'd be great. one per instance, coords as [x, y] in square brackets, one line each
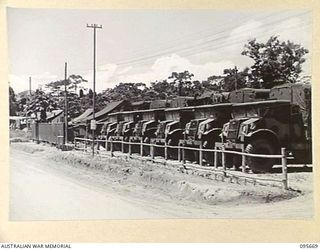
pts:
[261, 146]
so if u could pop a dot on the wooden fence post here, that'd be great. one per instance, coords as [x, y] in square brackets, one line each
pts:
[243, 159]
[183, 156]
[284, 168]
[215, 157]
[179, 152]
[129, 151]
[122, 145]
[223, 161]
[107, 144]
[141, 146]
[200, 154]
[111, 147]
[152, 150]
[165, 150]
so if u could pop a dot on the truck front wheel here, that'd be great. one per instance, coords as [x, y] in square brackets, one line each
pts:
[260, 146]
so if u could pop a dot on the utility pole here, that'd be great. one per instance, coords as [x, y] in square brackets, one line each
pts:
[93, 122]
[30, 85]
[65, 105]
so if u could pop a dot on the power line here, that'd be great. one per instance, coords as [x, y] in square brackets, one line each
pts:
[209, 43]
[170, 46]
[187, 48]
[193, 36]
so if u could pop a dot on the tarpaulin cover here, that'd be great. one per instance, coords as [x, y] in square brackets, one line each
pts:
[159, 104]
[299, 94]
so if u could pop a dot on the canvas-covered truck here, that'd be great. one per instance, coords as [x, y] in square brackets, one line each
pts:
[205, 129]
[248, 95]
[145, 129]
[170, 131]
[265, 127]
[110, 126]
[124, 127]
[299, 94]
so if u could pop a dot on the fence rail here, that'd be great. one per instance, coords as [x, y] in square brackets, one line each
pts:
[83, 144]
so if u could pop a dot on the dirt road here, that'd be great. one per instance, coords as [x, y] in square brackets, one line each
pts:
[38, 194]
[44, 189]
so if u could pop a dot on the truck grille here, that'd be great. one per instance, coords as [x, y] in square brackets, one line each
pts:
[233, 130]
[192, 133]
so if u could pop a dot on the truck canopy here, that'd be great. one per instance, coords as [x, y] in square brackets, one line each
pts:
[157, 104]
[184, 101]
[255, 109]
[213, 111]
[248, 95]
[299, 94]
[153, 114]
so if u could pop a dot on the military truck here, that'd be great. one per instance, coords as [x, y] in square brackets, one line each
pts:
[124, 127]
[213, 97]
[145, 129]
[171, 130]
[248, 95]
[205, 129]
[184, 101]
[265, 127]
[109, 127]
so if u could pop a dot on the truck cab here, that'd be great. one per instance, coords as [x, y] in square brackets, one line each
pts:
[174, 129]
[263, 128]
[147, 127]
[191, 130]
[205, 128]
[111, 128]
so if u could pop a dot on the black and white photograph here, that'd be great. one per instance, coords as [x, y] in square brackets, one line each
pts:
[160, 114]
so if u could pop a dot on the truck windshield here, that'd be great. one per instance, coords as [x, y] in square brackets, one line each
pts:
[162, 127]
[246, 112]
[127, 125]
[111, 126]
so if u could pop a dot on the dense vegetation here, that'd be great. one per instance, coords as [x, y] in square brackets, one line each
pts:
[274, 63]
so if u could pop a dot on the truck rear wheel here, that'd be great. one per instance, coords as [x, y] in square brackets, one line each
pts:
[260, 146]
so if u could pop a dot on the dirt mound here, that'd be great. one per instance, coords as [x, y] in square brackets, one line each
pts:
[157, 178]
[173, 182]
[20, 135]
[28, 147]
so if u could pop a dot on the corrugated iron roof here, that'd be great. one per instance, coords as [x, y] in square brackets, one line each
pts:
[109, 108]
[83, 116]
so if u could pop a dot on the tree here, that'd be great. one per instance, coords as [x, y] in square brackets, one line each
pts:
[81, 94]
[162, 89]
[13, 106]
[182, 82]
[275, 62]
[75, 81]
[57, 93]
[90, 94]
[127, 91]
[40, 102]
[234, 79]
[72, 84]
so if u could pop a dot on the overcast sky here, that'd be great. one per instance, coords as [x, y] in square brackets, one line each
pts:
[140, 46]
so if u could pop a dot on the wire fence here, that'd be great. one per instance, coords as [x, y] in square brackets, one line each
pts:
[126, 147]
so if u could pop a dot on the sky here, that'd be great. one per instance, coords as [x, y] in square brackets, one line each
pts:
[141, 45]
